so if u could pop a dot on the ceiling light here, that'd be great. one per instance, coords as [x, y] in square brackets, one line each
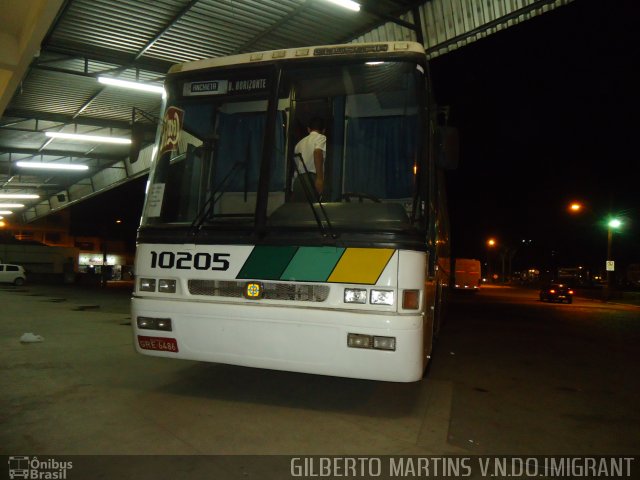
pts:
[19, 195]
[88, 138]
[52, 166]
[145, 87]
[374, 63]
[347, 4]
[11, 205]
[6, 212]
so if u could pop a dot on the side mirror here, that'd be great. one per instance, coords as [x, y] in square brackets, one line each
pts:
[447, 147]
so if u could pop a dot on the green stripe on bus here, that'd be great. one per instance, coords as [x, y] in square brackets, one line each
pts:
[312, 264]
[267, 262]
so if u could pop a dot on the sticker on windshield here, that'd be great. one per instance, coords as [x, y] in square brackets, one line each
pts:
[173, 118]
[154, 199]
[207, 87]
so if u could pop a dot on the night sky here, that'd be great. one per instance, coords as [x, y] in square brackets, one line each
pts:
[547, 113]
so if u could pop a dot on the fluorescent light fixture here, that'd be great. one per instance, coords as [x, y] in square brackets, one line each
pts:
[145, 87]
[52, 166]
[347, 4]
[11, 205]
[17, 196]
[374, 63]
[88, 138]
[6, 212]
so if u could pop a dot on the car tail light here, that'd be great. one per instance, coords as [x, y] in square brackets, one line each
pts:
[552, 291]
[570, 292]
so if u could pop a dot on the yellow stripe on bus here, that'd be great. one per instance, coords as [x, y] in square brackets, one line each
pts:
[361, 265]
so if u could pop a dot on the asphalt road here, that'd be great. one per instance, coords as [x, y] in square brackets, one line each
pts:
[541, 378]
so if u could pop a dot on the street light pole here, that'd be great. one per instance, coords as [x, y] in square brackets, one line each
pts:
[490, 244]
[614, 223]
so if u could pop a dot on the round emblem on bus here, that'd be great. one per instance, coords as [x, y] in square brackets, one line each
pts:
[253, 290]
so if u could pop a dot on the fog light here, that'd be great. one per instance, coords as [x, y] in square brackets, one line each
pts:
[145, 323]
[163, 324]
[166, 286]
[356, 340]
[147, 284]
[382, 297]
[384, 343]
[355, 295]
[411, 299]
[150, 323]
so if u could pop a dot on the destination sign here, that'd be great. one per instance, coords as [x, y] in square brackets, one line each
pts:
[223, 87]
[351, 49]
[209, 87]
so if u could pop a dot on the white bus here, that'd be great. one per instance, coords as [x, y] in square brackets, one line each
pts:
[230, 269]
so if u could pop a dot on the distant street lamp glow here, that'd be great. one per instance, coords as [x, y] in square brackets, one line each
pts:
[575, 207]
[615, 223]
[491, 242]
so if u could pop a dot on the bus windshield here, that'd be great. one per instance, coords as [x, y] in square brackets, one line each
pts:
[374, 125]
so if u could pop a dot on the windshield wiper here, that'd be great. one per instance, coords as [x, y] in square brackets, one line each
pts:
[310, 200]
[217, 193]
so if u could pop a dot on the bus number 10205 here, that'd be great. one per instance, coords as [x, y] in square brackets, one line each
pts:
[187, 261]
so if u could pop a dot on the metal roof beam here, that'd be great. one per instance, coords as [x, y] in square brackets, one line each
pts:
[166, 28]
[63, 153]
[385, 17]
[113, 57]
[486, 26]
[64, 119]
[284, 20]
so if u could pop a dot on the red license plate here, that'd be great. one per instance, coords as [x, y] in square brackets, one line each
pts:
[158, 343]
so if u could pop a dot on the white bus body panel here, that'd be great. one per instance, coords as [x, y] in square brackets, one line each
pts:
[308, 337]
[293, 339]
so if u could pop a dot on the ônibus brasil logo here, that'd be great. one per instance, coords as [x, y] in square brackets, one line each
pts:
[34, 468]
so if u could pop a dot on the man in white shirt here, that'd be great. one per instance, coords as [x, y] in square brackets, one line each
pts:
[311, 150]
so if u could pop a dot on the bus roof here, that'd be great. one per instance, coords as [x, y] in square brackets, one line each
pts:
[301, 53]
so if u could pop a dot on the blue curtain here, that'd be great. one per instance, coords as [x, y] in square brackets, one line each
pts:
[240, 140]
[380, 152]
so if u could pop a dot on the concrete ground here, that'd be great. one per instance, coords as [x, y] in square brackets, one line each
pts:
[511, 375]
[84, 390]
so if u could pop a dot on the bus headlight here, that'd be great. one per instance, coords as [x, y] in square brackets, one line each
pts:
[355, 295]
[166, 286]
[381, 297]
[147, 284]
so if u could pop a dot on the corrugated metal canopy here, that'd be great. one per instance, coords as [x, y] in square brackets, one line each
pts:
[141, 39]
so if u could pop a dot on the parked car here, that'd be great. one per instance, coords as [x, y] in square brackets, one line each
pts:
[12, 274]
[556, 292]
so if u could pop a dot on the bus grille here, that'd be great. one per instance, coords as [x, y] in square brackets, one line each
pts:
[299, 292]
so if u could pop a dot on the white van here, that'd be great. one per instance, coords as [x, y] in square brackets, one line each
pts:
[12, 274]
